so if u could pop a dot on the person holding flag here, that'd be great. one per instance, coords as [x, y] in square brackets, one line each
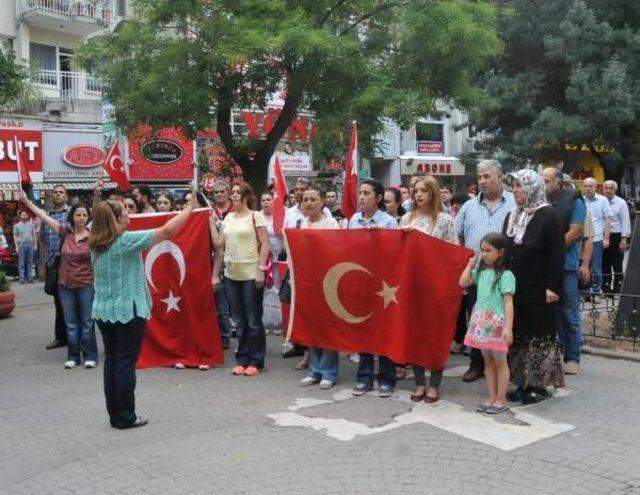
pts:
[122, 302]
[272, 314]
[373, 216]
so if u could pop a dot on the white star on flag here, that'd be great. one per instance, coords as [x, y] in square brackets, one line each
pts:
[172, 302]
[388, 294]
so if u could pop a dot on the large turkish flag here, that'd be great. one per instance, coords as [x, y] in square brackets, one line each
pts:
[183, 326]
[377, 291]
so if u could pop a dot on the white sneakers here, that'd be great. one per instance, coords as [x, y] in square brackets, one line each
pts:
[204, 367]
[307, 381]
[89, 364]
[69, 365]
[179, 366]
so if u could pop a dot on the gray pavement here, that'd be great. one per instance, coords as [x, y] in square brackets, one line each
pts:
[210, 432]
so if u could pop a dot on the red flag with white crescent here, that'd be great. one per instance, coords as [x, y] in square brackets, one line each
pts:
[384, 292]
[184, 325]
[114, 166]
[23, 173]
[350, 190]
[279, 195]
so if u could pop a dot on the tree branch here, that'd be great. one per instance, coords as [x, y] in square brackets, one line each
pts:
[223, 126]
[330, 12]
[381, 8]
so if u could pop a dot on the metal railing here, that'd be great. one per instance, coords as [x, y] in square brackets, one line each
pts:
[99, 11]
[68, 86]
[611, 317]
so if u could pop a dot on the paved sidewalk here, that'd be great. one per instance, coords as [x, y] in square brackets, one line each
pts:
[210, 432]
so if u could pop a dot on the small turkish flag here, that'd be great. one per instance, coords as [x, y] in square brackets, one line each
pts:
[350, 190]
[114, 166]
[279, 195]
[183, 327]
[382, 292]
[23, 173]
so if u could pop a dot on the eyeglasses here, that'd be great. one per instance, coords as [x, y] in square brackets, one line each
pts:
[219, 192]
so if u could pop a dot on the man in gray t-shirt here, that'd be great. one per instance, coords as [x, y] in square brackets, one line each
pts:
[25, 241]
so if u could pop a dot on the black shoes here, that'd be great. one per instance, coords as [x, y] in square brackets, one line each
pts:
[295, 351]
[140, 421]
[55, 343]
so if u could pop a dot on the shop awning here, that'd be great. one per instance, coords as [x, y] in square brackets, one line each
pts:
[47, 186]
[431, 164]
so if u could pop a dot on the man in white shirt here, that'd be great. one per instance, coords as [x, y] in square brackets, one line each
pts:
[601, 216]
[618, 240]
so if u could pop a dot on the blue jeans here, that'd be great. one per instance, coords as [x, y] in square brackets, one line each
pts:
[246, 308]
[25, 261]
[386, 371]
[222, 307]
[569, 324]
[81, 335]
[122, 343]
[596, 268]
[323, 364]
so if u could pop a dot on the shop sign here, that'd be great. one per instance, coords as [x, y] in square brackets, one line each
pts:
[83, 155]
[71, 153]
[430, 147]
[161, 151]
[208, 181]
[167, 155]
[29, 143]
[444, 166]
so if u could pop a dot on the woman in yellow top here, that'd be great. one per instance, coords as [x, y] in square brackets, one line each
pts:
[246, 248]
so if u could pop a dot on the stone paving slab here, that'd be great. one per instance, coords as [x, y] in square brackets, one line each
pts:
[210, 432]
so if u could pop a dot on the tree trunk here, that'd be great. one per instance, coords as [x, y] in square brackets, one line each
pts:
[255, 168]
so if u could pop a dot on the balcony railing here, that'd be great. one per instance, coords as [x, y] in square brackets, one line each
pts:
[68, 86]
[100, 12]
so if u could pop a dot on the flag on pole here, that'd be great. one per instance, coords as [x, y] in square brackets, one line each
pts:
[23, 173]
[350, 189]
[114, 166]
[279, 195]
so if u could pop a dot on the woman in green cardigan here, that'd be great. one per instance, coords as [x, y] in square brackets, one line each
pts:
[122, 302]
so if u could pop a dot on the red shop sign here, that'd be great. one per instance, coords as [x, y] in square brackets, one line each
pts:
[30, 143]
[166, 155]
[83, 156]
[431, 147]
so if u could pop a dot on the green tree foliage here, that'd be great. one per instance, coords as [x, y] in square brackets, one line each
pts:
[189, 63]
[570, 75]
[15, 91]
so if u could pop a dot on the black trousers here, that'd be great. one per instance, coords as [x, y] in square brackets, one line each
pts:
[612, 262]
[477, 361]
[122, 343]
[60, 329]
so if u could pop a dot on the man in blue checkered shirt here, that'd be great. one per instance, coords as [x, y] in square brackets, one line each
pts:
[478, 217]
[51, 242]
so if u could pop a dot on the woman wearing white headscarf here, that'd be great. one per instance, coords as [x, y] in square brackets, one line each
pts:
[536, 258]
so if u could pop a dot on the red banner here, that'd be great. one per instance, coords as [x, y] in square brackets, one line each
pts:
[164, 156]
[183, 326]
[377, 291]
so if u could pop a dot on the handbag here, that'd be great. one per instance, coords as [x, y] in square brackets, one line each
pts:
[268, 272]
[51, 275]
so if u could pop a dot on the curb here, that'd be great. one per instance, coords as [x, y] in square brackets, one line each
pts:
[619, 355]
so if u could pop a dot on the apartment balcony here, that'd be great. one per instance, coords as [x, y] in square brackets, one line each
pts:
[70, 94]
[76, 17]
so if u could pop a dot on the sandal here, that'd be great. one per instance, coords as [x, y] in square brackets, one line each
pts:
[431, 399]
[418, 397]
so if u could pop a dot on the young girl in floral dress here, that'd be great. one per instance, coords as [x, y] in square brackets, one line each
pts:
[491, 322]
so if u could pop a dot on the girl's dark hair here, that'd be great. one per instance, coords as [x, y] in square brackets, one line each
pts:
[200, 197]
[460, 198]
[135, 201]
[378, 190]
[500, 242]
[396, 194]
[72, 211]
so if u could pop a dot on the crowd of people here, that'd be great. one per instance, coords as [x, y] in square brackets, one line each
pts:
[537, 243]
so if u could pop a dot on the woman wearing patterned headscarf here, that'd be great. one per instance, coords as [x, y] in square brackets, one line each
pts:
[536, 258]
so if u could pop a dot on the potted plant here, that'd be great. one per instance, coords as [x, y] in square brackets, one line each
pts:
[7, 296]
